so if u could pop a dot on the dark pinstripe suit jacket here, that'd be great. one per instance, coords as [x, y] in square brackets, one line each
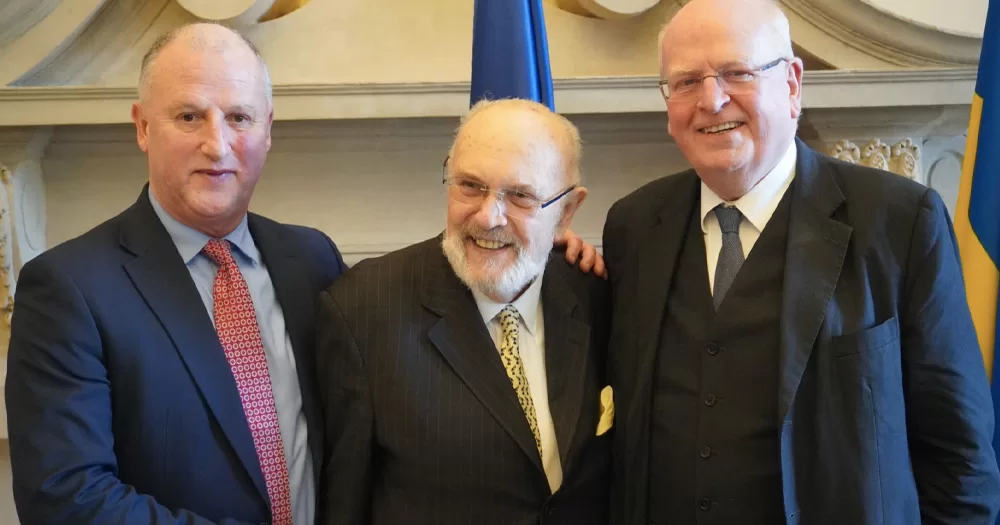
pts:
[422, 423]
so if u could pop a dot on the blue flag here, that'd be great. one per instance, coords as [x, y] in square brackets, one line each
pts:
[510, 54]
[977, 216]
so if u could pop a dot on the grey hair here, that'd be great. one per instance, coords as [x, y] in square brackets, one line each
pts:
[165, 39]
[564, 133]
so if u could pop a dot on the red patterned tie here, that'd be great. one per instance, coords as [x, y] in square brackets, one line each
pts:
[236, 324]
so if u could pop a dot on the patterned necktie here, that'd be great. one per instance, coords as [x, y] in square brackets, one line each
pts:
[236, 325]
[511, 358]
[731, 254]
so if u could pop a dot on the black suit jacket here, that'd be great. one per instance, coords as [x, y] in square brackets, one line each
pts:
[121, 405]
[884, 405]
[423, 424]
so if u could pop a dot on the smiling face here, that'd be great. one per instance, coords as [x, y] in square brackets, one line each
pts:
[507, 146]
[205, 125]
[732, 140]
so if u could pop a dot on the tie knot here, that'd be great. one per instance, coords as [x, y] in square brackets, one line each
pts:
[218, 250]
[729, 218]
[508, 314]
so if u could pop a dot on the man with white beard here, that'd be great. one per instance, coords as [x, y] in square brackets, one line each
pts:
[463, 377]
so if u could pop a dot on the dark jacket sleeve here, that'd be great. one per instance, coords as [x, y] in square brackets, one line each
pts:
[58, 398]
[949, 412]
[347, 410]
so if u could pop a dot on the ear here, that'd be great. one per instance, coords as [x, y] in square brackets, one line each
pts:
[270, 121]
[141, 127]
[795, 86]
[573, 201]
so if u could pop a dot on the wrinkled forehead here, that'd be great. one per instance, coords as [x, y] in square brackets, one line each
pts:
[710, 44]
[232, 73]
[504, 154]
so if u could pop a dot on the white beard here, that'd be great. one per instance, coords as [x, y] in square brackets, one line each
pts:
[495, 281]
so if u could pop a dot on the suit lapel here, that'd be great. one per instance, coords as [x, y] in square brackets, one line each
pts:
[657, 260]
[164, 282]
[567, 339]
[817, 245]
[296, 296]
[464, 341]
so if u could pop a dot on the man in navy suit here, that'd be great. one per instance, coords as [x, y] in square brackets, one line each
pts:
[139, 348]
[124, 404]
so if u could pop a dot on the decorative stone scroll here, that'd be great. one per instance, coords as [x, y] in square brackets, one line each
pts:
[241, 12]
[901, 158]
[7, 282]
[606, 9]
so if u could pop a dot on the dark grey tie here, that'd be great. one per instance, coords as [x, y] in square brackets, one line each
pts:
[731, 254]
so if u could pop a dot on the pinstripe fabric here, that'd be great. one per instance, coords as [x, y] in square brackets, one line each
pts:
[422, 423]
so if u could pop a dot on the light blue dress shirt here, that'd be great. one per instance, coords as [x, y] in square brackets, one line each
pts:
[277, 346]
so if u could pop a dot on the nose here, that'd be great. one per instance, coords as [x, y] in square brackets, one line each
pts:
[491, 213]
[713, 96]
[215, 139]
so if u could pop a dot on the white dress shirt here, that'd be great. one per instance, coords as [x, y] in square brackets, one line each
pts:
[531, 347]
[757, 206]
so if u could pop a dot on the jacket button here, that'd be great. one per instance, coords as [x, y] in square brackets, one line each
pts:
[704, 504]
[710, 399]
[706, 452]
[712, 348]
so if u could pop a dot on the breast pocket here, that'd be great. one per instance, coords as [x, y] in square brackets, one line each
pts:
[869, 340]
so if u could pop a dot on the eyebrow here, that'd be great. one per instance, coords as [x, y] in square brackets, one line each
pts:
[243, 108]
[523, 188]
[742, 61]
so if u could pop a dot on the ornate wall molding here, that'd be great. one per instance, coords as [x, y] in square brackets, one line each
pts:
[822, 90]
[46, 38]
[607, 9]
[838, 30]
[18, 16]
[7, 281]
[901, 158]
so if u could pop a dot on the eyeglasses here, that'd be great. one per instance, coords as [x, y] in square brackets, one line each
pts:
[517, 203]
[734, 80]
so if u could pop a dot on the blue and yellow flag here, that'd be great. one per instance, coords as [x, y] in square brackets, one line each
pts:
[977, 216]
[510, 54]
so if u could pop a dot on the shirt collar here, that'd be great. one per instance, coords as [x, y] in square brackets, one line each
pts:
[526, 304]
[190, 241]
[760, 202]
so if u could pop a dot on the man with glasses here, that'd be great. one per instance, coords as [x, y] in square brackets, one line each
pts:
[791, 341]
[463, 377]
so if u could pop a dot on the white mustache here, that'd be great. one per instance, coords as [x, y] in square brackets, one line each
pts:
[495, 235]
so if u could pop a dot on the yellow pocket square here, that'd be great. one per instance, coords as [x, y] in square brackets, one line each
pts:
[607, 413]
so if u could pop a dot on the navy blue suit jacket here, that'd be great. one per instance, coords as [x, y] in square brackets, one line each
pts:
[121, 405]
[884, 406]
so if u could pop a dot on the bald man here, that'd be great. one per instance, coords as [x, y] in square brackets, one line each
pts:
[791, 341]
[161, 364]
[463, 376]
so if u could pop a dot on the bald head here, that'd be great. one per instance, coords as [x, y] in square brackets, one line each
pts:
[761, 21]
[202, 37]
[526, 128]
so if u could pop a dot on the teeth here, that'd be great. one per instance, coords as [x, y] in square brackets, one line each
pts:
[489, 245]
[721, 127]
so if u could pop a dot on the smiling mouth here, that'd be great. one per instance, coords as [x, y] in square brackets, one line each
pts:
[489, 245]
[721, 128]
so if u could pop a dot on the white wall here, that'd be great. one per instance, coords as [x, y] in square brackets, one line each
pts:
[961, 17]
[371, 186]
[8, 516]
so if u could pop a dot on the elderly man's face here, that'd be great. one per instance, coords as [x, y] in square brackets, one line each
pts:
[731, 138]
[206, 128]
[491, 247]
